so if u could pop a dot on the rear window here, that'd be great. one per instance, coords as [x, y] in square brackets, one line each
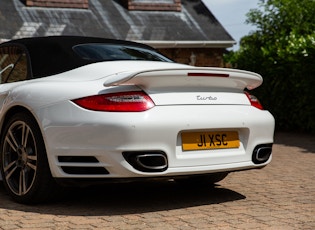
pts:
[111, 52]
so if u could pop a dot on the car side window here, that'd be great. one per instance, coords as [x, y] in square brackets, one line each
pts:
[13, 64]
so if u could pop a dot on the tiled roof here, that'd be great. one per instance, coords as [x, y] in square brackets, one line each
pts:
[194, 25]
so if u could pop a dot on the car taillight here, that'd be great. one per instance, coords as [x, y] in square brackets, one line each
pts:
[135, 101]
[254, 101]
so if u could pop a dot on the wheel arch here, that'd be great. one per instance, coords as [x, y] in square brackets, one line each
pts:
[14, 110]
[40, 189]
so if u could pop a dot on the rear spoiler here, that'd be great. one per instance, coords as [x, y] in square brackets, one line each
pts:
[187, 77]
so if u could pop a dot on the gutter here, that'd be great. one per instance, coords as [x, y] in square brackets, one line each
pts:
[3, 40]
[188, 44]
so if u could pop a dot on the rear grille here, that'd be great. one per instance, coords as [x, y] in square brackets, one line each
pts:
[77, 159]
[81, 165]
[84, 170]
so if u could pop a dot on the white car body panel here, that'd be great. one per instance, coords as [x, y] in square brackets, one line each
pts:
[131, 134]
[116, 133]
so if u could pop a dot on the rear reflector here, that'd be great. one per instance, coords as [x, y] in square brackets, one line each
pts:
[135, 101]
[254, 101]
[207, 75]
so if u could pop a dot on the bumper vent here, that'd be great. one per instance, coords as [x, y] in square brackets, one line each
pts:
[81, 165]
[77, 159]
[75, 170]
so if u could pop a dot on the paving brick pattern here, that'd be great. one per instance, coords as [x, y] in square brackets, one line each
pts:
[280, 196]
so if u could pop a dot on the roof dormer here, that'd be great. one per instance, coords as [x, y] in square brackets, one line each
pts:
[156, 5]
[82, 4]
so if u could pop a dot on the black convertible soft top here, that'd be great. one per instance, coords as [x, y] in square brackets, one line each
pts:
[55, 54]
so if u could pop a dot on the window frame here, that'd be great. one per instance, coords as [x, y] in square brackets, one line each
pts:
[28, 62]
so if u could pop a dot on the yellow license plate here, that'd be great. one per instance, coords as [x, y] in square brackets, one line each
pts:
[210, 140]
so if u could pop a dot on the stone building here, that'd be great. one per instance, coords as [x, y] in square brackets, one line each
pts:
[184, 30]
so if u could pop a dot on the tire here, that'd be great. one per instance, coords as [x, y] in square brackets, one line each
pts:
[23, 163]
[208, 179]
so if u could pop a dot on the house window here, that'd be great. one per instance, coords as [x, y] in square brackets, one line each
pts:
[13, 64]
[83, 4]
[157, 5]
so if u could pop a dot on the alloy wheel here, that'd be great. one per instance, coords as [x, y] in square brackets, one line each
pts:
[19, 158]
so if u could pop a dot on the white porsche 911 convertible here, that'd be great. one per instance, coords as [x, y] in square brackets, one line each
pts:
[82, 110]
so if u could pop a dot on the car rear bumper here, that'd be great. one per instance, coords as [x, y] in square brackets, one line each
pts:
[89, 144]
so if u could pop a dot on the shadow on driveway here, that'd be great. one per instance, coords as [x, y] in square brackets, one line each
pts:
[127, 198]
[304, 141]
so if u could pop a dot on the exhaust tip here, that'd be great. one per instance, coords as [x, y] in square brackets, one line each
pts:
[151, 161]
[262, 153]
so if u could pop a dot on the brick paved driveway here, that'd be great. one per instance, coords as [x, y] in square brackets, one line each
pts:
[280, 196]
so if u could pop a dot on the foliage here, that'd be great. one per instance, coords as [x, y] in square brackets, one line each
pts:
[282, 50]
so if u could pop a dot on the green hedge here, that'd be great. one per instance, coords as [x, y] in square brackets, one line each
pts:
[288, 90]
